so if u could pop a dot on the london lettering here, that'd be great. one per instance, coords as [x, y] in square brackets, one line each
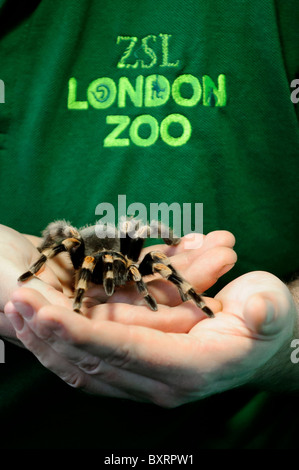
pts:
[152, 91]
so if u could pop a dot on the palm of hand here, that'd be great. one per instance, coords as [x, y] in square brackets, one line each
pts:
[169, 357]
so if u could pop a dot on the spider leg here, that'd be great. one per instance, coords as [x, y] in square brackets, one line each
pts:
[47, 253]
[114, 270]
[83, 278]
[142, 288]
[156, 261]
[133, 235]
[157, 229]
[57, 231]
[119, 269]
[108, 274]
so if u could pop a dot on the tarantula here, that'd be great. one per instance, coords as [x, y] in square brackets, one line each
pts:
[109, 256]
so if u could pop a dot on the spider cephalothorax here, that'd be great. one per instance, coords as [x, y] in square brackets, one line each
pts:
[107, 255]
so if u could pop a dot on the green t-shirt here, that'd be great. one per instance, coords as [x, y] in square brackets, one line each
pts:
[169, 101]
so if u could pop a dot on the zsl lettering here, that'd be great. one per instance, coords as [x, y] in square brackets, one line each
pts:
[142, 55]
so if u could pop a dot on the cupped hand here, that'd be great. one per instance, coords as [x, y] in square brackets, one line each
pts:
[56, 278]
[122, 349]
[167, 357]
[17, 253]
[153, 363]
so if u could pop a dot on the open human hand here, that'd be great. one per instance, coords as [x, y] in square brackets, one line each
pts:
[55, 279]
[202, 266]
[170, 357]
[126, 359]
[17, 252]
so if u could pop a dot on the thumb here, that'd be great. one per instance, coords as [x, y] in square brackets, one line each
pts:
[269, 313]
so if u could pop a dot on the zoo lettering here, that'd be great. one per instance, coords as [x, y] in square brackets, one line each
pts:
[149, 92]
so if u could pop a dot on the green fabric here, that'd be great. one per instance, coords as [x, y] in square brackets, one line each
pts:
[232, 64]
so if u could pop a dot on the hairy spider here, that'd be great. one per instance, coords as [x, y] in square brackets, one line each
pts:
[106, 255]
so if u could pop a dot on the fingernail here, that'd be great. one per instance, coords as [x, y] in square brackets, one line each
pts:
[270, 313]
[16, 321]
[24, 309]
[9, 308]
[225, 269]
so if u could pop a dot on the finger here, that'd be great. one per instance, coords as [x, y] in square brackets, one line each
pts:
[45, 354]
[144, 351]
[22, 262]
[102, 338]
[36, 241]
[8, 332]
[198, 242]
[78, 374]
[170, 250]
[29, 256]
[177, 320]
[268, 307]
[266, 313]
[60, 267]
[44, 336]
[201, 272]
[9, 280]
[49, 292]
[205, 242]
[38, 331]
[47, 276]
[82, 370]
[6, 328]
[180, 319]
[205, 269]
